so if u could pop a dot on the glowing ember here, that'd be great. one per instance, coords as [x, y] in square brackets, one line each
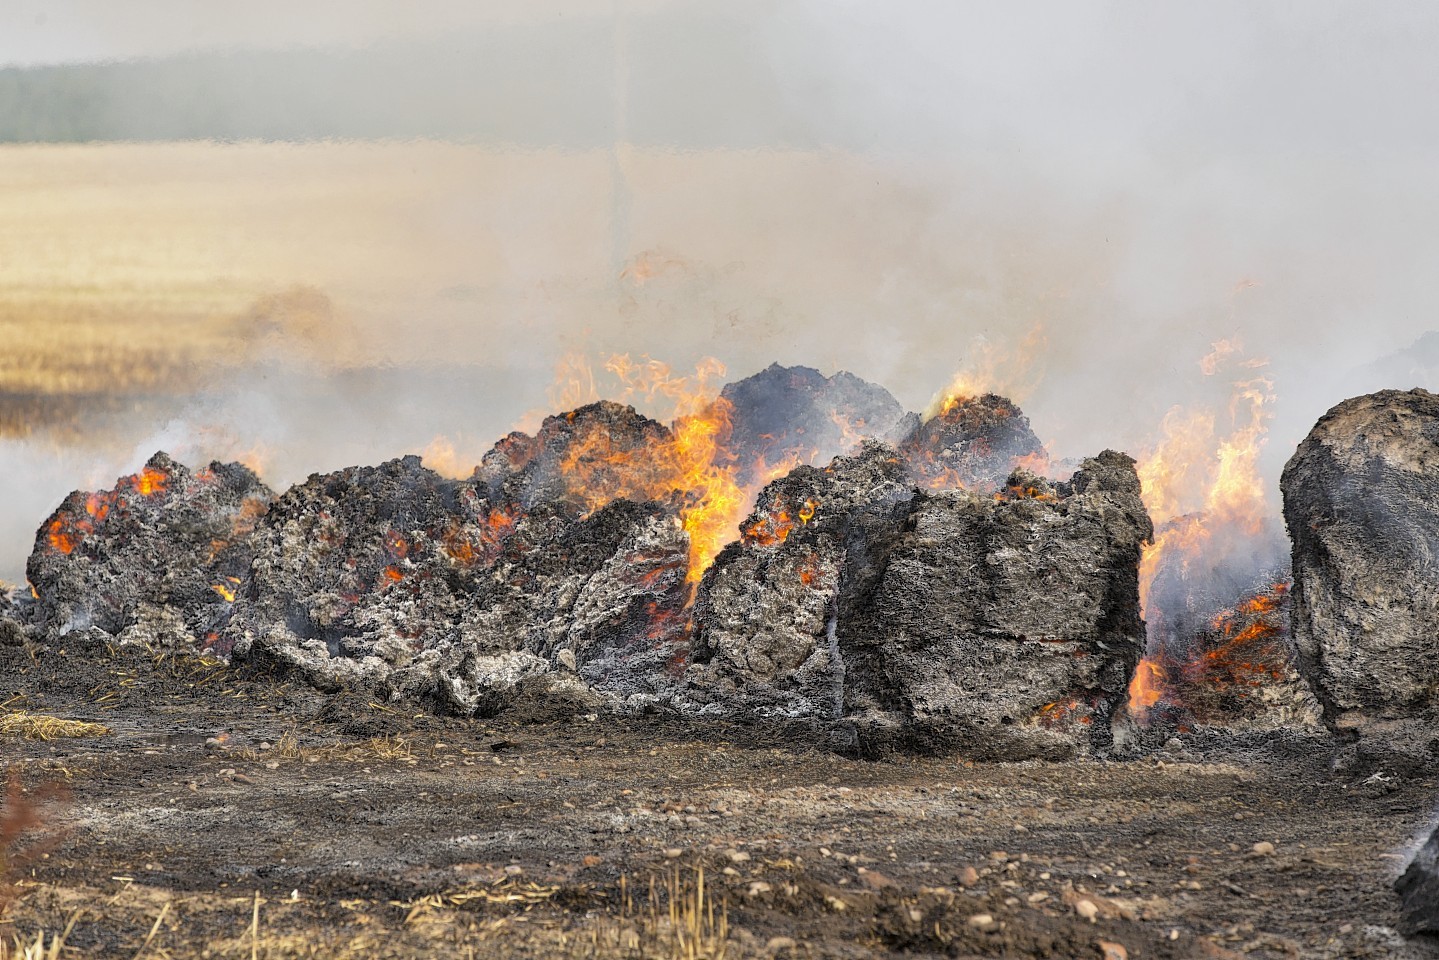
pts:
[772, 528]
[60, 538]
[227, 590]
[150, 481]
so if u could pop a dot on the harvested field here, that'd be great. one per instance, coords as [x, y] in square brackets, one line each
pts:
[366, 831]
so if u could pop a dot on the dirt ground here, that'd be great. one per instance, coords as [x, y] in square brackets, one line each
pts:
[226, 816]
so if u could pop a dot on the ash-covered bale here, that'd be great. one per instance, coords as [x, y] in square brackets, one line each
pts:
[1361, 499]
[396, 579]
[1007, 623]
[797, 415]
[152, 560]
[767, 610]
[972, 443]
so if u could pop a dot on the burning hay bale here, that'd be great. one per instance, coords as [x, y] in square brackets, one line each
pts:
[972, 443]
[782, 417]
[155, 559]
[1234, 667]
[395, 578]
[1008, 622]
[1361, 499]
[588, 457]
[574, 567]
[767, 612]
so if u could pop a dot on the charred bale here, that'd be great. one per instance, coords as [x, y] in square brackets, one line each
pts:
[1008, 624]
[971, 443]
[154, 559]
[12, 620]
[797, 415]
[1232, 667]
[598, 453]
[396, 579]
[1005, 623]
[1361, 500]
[767, 611]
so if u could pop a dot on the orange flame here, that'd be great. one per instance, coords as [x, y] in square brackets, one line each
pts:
[1149, 686]
[689, 463]
[1198, 485]
[150, 481]
[60, 538]
[227, 590]
[994, 368]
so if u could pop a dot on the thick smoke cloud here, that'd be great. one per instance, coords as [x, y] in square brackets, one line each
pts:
[899, 190]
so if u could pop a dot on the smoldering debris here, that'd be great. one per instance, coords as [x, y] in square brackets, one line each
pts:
[935, 590]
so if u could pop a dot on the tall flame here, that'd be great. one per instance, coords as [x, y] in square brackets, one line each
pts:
[1199, 485]
[690, 462]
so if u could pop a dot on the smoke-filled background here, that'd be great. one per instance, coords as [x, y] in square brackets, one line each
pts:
[311, 234]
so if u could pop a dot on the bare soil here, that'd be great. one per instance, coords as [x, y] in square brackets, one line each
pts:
[234, 816]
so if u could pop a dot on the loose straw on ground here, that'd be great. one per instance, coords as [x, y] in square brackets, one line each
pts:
[35, 726]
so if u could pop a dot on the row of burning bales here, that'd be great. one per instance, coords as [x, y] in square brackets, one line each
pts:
[797, 550]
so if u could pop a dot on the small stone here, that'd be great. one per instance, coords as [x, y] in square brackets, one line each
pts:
[737, 856]
[776, 944]
[981, 921]
[730, 872]
[1087, 909]
[836, 904]
[514, 870]
[592, 861]
[1112, 950]
[1263, 848]
[673, 853]
[272, 764]
[758, 888]
[968, 877]
[1039, 897]
[998, 856]
[916, 915]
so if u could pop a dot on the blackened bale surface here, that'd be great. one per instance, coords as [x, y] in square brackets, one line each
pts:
[153, 559]
[767, 612]
[531, 579]
[1361, 500]
[1007, 623]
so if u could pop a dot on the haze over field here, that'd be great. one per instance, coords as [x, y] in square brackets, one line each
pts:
[328, 236]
